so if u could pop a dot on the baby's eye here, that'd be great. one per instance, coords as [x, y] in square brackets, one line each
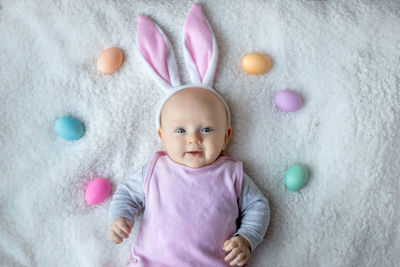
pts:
[180, 130]
[206, 130]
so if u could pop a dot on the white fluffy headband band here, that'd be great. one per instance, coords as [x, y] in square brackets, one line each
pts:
[200, 51]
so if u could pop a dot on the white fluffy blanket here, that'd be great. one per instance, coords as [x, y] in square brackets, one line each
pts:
[341, 56]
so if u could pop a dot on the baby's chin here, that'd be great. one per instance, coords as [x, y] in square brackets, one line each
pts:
[191, 162]
[197, 161]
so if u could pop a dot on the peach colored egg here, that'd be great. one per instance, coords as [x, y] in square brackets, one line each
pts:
[256, 63]
[110, 60]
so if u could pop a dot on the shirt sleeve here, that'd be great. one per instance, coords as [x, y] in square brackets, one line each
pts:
[254, 213]
[128, 199]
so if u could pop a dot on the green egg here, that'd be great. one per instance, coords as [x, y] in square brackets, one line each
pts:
[296, 177]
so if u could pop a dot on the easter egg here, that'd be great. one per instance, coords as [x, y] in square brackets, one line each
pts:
[296, 177]
[256, 63]
[110, 60]
[69, 128]
[288, 100]
[97, 191]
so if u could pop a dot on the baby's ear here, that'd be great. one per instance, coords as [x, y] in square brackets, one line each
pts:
[228, 134]
[160, 134]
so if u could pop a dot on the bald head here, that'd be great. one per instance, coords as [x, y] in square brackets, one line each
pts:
[197, 100]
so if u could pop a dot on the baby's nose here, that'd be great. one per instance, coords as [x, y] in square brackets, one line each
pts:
[193, 138]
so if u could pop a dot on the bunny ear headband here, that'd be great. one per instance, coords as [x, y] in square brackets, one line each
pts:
[200, 51]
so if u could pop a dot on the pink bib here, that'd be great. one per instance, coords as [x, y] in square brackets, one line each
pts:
[189, 213]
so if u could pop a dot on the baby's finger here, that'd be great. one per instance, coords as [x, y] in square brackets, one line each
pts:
[120, 232]
[125, 226]
[114, 237]
[238, 259]
[229, 245]
[243, 262]
[226, 243]
[232, 254]
[128, 223]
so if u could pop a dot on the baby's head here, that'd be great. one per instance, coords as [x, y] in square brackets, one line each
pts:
[193, 120]
[194, 128]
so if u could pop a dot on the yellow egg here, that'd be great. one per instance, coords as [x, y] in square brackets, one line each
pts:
[256, 63]
[110, 60]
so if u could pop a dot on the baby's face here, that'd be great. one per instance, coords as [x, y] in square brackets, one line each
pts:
[194, 129]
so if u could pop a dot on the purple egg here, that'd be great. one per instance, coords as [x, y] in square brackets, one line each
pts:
[288, 100]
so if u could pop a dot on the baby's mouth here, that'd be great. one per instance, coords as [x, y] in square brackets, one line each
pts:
[195, 153]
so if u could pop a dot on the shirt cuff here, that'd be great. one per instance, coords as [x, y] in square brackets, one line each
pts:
[115, 216]
[253, 238]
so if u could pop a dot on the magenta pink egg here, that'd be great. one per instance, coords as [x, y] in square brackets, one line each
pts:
[288, 100]
[97, 191]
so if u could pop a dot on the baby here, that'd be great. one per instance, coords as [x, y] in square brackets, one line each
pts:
[200, 208]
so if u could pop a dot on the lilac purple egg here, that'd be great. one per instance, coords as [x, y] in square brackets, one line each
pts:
[288, 100]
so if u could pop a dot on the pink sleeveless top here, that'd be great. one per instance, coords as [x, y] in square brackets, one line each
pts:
[189, 213]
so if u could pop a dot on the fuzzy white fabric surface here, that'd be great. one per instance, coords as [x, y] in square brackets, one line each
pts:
[341, 56]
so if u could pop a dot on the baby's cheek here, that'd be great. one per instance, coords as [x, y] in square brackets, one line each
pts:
[214, 150]
[220, 142]
[176, 147]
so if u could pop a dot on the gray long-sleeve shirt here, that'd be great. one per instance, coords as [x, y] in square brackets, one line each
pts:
[129, 199]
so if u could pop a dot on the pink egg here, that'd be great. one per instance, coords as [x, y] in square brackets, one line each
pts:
[97, 191]
[288, 100]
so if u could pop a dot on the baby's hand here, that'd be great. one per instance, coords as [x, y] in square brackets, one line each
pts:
[119, 229]
[240, 250]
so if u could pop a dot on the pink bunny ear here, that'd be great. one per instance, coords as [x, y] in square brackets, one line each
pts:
[157, 52]
[200, 48]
